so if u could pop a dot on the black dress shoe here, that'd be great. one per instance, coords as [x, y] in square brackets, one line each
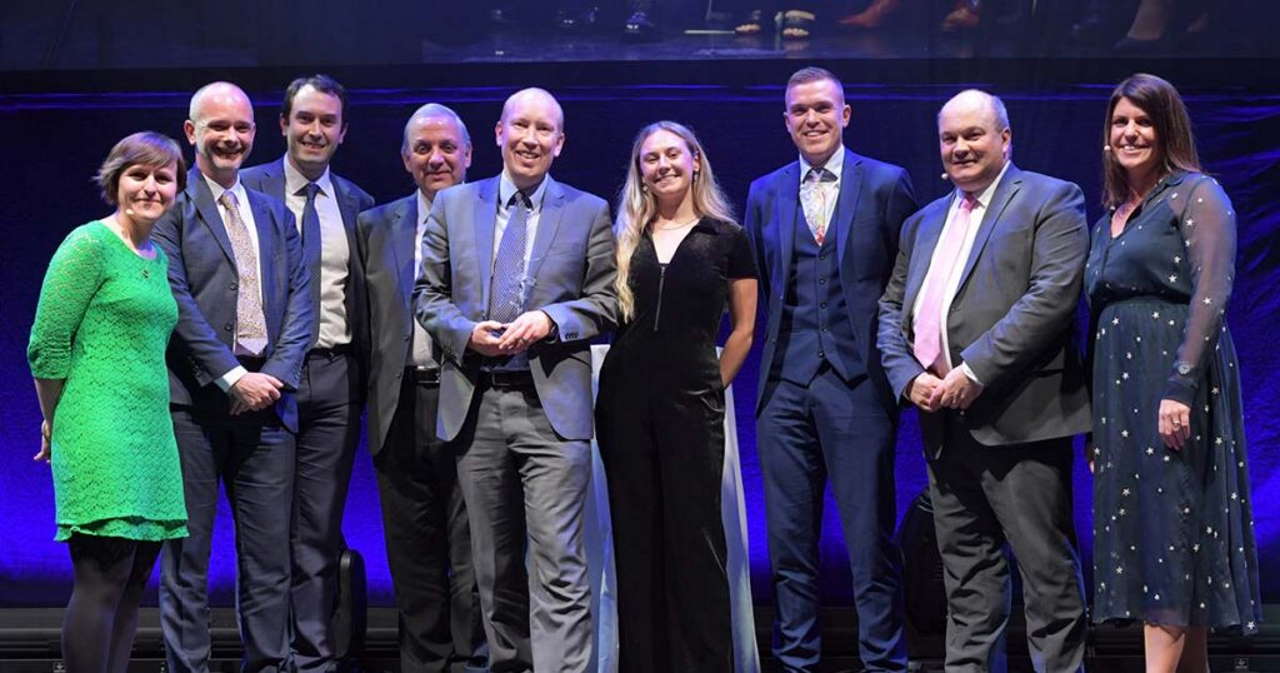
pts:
[640, 28]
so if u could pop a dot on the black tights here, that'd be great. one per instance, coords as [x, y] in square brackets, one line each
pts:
[102, 616]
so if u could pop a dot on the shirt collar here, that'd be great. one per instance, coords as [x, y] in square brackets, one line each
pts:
[507, 188]
[294, 180]
[217, 189]
[834, 164]
[424, 207]
[984, 197]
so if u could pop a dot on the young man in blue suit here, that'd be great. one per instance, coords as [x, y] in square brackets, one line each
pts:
[332, 389]
[517, 276]
[824, 230]
[235, 362]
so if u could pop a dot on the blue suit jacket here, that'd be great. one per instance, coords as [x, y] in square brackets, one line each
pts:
[352, 200]
[203, 276]
[875, 198]
[573, 267]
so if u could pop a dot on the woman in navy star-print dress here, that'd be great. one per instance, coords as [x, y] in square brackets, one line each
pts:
[1173, 528]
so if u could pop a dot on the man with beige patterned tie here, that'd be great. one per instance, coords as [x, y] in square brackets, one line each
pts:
[245, 321]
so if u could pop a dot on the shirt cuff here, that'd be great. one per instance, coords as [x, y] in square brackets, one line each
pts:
[964, 367]
[229, 379]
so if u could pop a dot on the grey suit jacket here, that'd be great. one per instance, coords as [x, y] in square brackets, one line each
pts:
[385, 240]
[202, 274]
[1013, 315]
[269, 178]
[573, 267]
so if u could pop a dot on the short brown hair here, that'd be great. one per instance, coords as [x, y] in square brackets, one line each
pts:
[147, 148]
[813, 74]
[1160, 100]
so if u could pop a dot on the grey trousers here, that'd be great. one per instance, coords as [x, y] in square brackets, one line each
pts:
[523, 482]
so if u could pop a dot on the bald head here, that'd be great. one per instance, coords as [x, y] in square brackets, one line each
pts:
[220, 126]
[216, 93]
[979, 102]
[531, 135]
[974, 139]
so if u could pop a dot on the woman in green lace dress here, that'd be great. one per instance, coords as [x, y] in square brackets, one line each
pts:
[97, 355]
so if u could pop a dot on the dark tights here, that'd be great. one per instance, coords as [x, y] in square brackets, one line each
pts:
[102, 616]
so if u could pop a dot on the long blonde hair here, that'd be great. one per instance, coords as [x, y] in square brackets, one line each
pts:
[637, 207]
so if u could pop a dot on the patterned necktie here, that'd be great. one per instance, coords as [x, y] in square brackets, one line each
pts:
[928, 323]
[311, 248]
[813, 197]
[505, 288]
[251, 325]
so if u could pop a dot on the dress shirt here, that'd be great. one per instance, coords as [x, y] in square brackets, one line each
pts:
[246, 216]
[507, 189]
[421, 353]
[983, 200]
[335, 254]
[831, 190]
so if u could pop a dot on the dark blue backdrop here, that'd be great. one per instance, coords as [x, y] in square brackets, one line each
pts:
[54, 142]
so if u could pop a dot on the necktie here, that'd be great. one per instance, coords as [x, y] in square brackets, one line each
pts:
[311, 249]
[251, 325]
[929, 323]
[420, 350]
[814, 198]
[506, 300]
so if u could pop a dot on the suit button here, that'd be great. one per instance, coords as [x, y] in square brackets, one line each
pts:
[400, 373]
[822, 354]
[233, 287]
[822, 281]
[228, 327]
[822, 305]
[406, 337]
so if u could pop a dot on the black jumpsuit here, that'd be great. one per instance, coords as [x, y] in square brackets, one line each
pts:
[660, 417]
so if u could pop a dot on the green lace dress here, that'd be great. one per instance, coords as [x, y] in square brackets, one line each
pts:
[103, 321]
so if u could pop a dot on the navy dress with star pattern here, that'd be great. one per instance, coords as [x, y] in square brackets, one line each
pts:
[1173, 530]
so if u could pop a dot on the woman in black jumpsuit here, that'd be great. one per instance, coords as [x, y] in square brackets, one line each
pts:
[660, 411]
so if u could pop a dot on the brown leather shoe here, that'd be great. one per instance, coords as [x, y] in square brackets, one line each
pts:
[871, 17]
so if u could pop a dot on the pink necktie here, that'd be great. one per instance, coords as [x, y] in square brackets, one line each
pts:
[928, 323]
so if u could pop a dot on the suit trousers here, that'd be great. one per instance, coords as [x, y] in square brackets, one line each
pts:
[428, 541]
[522, 482]
[985, 496]
[663, 451]
[328, 430]
[832, 431]
[252, 454]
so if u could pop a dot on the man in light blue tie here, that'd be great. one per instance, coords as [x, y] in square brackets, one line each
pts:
[517, 274]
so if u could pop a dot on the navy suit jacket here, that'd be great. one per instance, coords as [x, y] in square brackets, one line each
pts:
[573, 267]
[1012, 318]
[202, 274]
[875, 198]
[269, 179]
[385, 238]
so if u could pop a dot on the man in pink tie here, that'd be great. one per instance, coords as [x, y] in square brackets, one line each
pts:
[976, 331]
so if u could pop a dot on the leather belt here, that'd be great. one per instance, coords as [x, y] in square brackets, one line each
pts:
[423, 375]
[336, 351]
[506, 379]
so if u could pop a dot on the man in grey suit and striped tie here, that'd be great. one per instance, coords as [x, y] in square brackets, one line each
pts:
[517, 275]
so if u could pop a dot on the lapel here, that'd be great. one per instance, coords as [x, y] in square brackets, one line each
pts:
[931, 224]
[200, 194]
[784, 222]
[847, 202]
[485, 220]
[548, 223]
[1009, 186]
[263, 221]
[404, 229]
[273, 182]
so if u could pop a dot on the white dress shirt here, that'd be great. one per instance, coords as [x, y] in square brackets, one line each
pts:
[983, 200]
[831, 190]
[335, 254]
[246, 216]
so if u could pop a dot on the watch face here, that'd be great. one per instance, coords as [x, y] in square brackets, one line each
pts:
[1184, 369]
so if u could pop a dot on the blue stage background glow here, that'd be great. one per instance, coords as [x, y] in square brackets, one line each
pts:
[55, 143]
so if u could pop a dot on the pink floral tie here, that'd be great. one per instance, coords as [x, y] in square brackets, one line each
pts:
[928, 323]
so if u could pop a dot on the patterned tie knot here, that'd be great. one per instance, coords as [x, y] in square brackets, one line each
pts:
[520, 198]
[968, 203]
[819, 174]
[228, 199]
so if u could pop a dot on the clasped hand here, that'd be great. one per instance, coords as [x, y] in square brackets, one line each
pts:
[254, 391]
[492, 338]
[955, 391]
